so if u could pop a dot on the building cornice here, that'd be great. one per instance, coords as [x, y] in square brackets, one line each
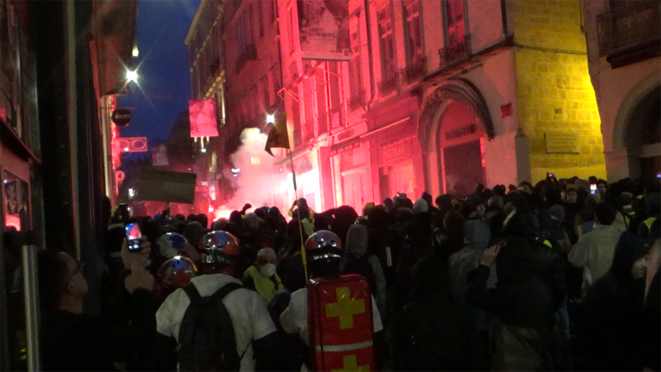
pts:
[196, 20]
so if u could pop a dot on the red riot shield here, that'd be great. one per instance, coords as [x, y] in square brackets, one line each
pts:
[340, 324]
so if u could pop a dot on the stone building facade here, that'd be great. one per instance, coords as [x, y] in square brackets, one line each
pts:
[624, 53]
[437, 96]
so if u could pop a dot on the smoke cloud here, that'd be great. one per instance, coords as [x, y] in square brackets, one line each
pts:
[260, 181]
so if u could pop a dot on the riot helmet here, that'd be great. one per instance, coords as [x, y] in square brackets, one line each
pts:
[219, 250]
[323, 251]
[171, 244]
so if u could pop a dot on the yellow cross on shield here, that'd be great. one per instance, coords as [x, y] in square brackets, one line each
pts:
[345, 308]
[351, 365]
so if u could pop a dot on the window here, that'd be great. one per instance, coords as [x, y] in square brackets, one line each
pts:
[274, 84]
[321, 104]
[355, 67]
[334, 93]
[454, 15]
[308, 104]
[384, 18]
[293, 21]
[296, 121]
[266, 99]
[412, 32]
[260, 17]
[243, 34]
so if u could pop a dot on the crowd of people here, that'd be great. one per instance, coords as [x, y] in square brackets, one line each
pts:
[562, 275]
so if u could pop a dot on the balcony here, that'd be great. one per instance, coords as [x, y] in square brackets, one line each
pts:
[631, 34]
[388, 84]
[456, 52]
[249, 54]
[414, 72]
[357, 100]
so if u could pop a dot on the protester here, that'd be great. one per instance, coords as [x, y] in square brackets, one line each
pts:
[594, 251]
[653, 211]
[357, 260]
[74, 341]
[523, 304]
[434, 332]
[324, 253]
[611, 336]
[206, 344]
[261, 276]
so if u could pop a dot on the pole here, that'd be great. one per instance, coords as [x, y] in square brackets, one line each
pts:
[31, 294]
[72, 99]
[300, 223]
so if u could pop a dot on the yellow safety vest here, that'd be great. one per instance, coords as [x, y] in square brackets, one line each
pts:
[546, 243]
[264, 286]
[649, 222]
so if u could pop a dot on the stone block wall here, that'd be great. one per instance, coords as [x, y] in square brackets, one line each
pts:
[557, 105]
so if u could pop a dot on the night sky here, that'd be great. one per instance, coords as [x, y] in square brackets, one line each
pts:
[162, 26]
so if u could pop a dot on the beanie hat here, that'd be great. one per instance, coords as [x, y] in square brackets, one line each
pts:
[557, 211]
[420, 206]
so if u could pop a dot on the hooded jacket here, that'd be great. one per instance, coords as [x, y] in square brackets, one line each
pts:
[611, 337]
[476, 238]
[433, 332]
[530, 284]
[356, 249]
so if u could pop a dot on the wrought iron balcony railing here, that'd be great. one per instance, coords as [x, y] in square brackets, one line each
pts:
[457, 51]
[357, 100]
[415, 71]
[388, 84]
[634, 27]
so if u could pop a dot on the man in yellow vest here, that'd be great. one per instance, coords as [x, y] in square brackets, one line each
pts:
[261, 276]
[653, 209]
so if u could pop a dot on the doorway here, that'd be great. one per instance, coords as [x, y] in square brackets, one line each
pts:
[463, 167]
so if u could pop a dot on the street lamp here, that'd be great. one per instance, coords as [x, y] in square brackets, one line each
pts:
[131, 75]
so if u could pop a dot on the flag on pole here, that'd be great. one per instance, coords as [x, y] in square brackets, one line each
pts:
[278, 137]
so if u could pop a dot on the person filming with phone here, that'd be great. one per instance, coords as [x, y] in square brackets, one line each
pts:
[120, 338]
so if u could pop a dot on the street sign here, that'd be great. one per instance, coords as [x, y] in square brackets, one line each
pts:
[172, 187]
[131, 144]
[121, 117]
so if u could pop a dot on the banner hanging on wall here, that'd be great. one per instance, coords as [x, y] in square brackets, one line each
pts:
[203, 121]
[324, 29]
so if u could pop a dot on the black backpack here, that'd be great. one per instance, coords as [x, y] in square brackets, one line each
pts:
[206, 336]
[361, 266]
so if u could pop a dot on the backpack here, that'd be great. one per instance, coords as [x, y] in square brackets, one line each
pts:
[206, 336]
[361, 266]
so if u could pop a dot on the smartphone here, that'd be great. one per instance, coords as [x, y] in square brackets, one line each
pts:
[134, 237]
[593, 189]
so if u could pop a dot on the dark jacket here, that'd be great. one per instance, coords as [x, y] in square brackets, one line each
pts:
[611, 335]
[434, 332]
[531, 284]
[76, 342]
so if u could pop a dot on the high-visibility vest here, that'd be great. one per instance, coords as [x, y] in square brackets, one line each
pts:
[649, 222]
[545, 242]
[264, 286]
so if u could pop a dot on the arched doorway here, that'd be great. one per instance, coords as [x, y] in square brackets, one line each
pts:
[452, 129]
[461, 150]
[642, 135]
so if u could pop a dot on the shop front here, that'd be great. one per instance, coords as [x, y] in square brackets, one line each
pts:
[396, 160]
[352, 178]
